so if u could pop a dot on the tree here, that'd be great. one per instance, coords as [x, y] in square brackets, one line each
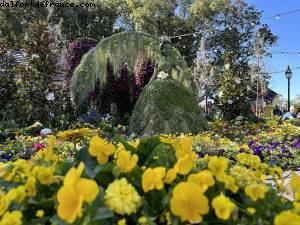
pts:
[7, 82]
[204, 75]
[15, 20]
[85, 22]
[34, 95]
[233, 90]
[231, 43]
[162, 18]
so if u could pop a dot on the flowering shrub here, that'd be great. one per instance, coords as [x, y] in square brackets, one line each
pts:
[76, 50]
[154, 180]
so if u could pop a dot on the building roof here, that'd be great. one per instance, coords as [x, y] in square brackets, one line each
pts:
[268, 95]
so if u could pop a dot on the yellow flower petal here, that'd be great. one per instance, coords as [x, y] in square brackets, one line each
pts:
[153, 179]
[188, 202]
[88, 189]
[185, 165]
[69, 204]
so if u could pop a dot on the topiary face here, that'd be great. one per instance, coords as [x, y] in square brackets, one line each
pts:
[166, 49]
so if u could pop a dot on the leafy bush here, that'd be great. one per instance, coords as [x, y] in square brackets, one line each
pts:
[7, 82]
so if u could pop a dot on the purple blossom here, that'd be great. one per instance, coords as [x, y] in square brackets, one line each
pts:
[283, 149]
[257, 150]
[201, 155]
[250, 143]
[296, 145]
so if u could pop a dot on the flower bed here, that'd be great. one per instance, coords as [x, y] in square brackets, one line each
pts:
[156, 180]
[275, 144]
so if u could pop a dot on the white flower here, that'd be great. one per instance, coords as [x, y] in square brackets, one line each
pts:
[227, 66]
[35, 56]
[162, 75]
[50, 96]
[230, 101]
[45, 132]
[237, 80]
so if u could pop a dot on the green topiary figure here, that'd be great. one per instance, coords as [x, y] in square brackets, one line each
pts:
[166, 105]
[121, 49]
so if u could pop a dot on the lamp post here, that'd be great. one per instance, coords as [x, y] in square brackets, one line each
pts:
[288, 74]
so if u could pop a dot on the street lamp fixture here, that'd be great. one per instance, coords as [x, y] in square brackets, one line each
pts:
[288, 74]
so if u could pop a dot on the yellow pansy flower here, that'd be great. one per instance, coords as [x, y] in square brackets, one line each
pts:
[126, 162]
[287, 218]
[183, 147]
[40, 213]
[5, 170]
[73, 134]
[188, 202]
[297, 206]
[69, 204]
[46, 154]
[256, 191]
[16, 194]
[14, 217]
[11, 195]
[250, 210]
[153, 178]
[122, 198]
[223, 207]
[3, 203]
[30, 186]
[171, 175]
[87, 188]
[142, 220]
[45, 174]
[295, 183]
[230, 183]
[166, 139]
[134, 143]
[185, 164]
[74, 191]
[122, 222]
[250, 160]
[218, 165]
[204, 179]
[101, 149]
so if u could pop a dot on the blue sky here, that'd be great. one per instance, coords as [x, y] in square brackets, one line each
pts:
[287, 28]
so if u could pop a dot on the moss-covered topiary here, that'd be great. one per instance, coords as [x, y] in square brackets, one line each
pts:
[166, 106]
[123, 47]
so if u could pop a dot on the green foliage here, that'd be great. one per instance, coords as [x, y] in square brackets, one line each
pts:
[84, 22]
[161, 18]
[166, 106]
[35, 78]
[7, 82]
[233, 91]
[207, 9]
[15, 21]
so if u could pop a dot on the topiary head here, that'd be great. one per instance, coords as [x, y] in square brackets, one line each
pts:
[165, 45]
